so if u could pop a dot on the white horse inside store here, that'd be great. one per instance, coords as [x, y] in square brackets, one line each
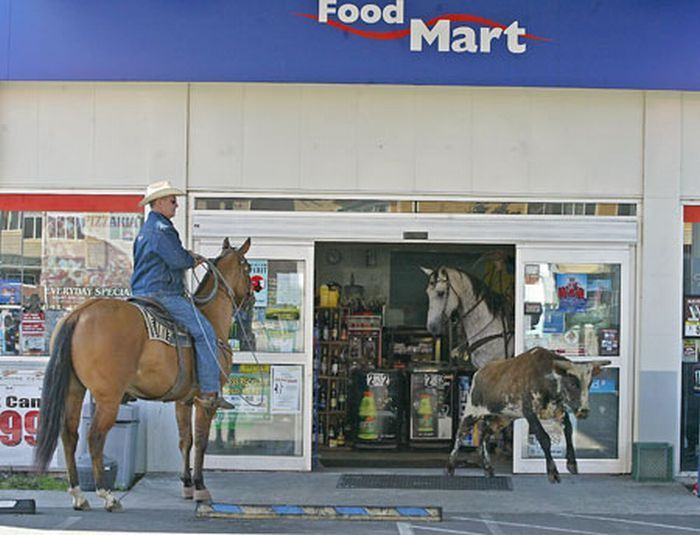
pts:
[483, 317]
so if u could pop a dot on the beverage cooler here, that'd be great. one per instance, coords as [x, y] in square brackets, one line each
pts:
[432, 407]
[375, 406]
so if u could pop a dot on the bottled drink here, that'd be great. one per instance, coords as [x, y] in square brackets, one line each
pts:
[334, 366]
[332, 441]
[341, 400]
[334, 396]
[322, 397]
[341, 436]
[324, 361]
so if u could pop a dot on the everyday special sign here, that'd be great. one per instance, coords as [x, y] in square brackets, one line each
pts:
[637, 44]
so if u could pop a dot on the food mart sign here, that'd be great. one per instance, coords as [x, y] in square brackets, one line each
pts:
[449, 32]
[636, 44]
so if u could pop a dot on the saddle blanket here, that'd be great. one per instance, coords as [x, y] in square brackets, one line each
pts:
[162, 329]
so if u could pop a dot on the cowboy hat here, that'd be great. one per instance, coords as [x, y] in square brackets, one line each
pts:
[160, 189]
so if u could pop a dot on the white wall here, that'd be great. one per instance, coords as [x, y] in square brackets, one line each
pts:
[92, 136]
[467, 141]
[297, 138]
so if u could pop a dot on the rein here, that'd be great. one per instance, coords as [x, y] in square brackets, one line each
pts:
[236, 308]
[469, 348]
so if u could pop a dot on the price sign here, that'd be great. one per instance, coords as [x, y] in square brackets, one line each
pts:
[20, 394]
[377, 379]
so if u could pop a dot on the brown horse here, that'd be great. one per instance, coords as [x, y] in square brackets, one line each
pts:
[103, 346]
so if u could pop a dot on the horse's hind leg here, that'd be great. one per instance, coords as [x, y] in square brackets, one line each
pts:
[202, 424]
[69, 437]
[183, 413]
[103, 420]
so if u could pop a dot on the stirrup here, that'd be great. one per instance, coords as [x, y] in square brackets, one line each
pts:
[214, 401]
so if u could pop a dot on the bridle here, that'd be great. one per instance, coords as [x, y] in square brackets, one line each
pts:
[460, 304]
[236, 308]
[220, 279]
[469, 348]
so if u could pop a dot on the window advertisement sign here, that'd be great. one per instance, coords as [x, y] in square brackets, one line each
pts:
[286, 390]
[258, 277]
[20, 395]
[571, 290]
[691, 316]
[248, 389]
[53, 261]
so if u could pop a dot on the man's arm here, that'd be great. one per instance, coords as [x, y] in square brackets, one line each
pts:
[170, 249]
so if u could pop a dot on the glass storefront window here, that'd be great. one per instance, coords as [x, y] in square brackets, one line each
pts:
[268, 418]
[573, 309]
[595, 437]
[50, 262]
[275, 324]
[276, 204]
[690, 402]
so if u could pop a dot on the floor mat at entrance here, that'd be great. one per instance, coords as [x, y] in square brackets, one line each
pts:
[404, 481]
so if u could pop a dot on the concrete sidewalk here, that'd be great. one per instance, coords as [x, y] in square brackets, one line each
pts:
[154, 504]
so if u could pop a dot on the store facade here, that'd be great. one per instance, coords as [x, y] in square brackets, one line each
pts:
[574, 183]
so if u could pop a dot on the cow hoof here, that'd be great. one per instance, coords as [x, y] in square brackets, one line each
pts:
[554, 477]
[188, 492]
[449, 471]
[572, 468]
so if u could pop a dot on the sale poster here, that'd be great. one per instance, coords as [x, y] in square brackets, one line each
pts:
[20, 395]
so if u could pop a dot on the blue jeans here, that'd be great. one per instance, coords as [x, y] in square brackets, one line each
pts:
[186, 314]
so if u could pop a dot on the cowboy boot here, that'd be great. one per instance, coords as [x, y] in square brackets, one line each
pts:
[212, 400]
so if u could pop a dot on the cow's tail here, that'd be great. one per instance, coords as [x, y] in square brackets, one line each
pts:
[53, 393]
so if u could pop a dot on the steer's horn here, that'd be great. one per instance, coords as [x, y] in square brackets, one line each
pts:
[598, 364]
[563, 366]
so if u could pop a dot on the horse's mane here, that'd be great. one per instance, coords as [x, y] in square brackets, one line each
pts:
[496, 303]
[208, 275]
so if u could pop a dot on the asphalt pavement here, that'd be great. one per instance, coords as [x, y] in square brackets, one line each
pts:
[584, 504]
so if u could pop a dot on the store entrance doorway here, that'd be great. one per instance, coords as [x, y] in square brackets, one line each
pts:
[388, 386]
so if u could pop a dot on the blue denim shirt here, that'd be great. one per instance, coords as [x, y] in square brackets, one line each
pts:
[160, 260]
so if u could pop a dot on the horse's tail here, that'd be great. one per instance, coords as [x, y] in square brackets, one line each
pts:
[54, 391]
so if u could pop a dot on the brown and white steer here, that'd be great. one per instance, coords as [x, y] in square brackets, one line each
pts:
[537, 384]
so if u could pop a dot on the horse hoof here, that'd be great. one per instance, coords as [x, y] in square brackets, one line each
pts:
[82, 506]
[114, 507]
[449, 471]
[188, 492]
[202, 496]
[572, 468]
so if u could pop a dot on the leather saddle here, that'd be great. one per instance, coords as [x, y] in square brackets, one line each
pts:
[160, 324]
[162, 327]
